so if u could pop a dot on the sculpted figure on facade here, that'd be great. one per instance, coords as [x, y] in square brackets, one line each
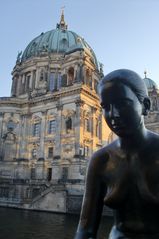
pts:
[124, 174]
[9, 144]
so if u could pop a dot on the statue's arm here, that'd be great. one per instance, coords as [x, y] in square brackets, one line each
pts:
[92, 202]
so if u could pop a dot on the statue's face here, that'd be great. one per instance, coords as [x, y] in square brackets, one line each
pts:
[121, 108]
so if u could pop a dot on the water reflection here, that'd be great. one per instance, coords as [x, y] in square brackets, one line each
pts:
[20, 224]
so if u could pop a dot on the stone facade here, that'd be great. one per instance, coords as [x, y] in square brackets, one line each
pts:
[52, 123]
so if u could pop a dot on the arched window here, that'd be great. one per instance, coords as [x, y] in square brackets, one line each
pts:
[70, 76]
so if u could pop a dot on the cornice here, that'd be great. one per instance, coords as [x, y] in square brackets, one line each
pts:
[67, 91]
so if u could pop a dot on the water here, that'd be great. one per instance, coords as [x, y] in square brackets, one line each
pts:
[22, 224]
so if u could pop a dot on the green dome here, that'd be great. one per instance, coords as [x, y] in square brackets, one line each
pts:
[150, 84]
[59, 40]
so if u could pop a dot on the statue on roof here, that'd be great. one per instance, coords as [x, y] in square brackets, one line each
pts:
[19, 57]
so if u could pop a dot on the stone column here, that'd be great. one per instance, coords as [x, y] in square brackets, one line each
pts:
[94, 110]
[42, 134]
[19, 85]
[1, 134]
[31, 81]
[78, 130]
[84, 74]
[21, 136]
[23, 145]
[93, 77]
[36, 79]
[59, 129]
[23, 84]
[14, 84]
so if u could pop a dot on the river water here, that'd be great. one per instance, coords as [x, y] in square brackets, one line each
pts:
[23, 224]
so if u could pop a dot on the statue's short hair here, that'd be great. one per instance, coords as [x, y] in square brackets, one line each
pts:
[128, 78]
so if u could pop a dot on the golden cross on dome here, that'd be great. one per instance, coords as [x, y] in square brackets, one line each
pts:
[62, 9]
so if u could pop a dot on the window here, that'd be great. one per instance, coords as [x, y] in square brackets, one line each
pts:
[58, 80]
[70, 76]
[88, 78]
[64, 80]
[34, 153]
[52, 82]
[32, 174]
[27, 82]
[87, 125]
[42, 75]
[64, 44]
[86, 150]
[50, 152]
[64, 173]
[68, 124]
[96, 85]
[4, 192]
[49, 174]
[98, 129]
[52, 127]
[36, 129]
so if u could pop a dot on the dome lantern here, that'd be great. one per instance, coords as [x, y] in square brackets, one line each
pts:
[62, 25]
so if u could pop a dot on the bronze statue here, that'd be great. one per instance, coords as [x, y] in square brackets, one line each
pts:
[124, 175]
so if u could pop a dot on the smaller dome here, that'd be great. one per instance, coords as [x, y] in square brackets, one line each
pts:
[151, 85]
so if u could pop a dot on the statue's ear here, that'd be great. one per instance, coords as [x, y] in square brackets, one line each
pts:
[146, 106]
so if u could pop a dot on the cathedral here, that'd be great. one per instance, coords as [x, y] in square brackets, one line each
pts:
[52, 122]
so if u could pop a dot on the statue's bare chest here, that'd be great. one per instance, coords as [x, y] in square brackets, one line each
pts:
[131, 176]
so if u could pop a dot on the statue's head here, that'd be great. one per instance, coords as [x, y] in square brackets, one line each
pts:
[124, 99]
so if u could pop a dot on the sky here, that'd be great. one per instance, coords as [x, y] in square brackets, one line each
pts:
[122, 33]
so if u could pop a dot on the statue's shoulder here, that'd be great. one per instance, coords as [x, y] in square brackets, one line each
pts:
[154, 137]
[102, 155]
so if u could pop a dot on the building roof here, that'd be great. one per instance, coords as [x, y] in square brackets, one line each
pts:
[59, 40]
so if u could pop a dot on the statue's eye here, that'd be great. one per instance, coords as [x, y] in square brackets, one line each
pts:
[123, 104]
[105, 106]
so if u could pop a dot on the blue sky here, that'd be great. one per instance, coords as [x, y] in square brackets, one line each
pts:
[122, 33]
